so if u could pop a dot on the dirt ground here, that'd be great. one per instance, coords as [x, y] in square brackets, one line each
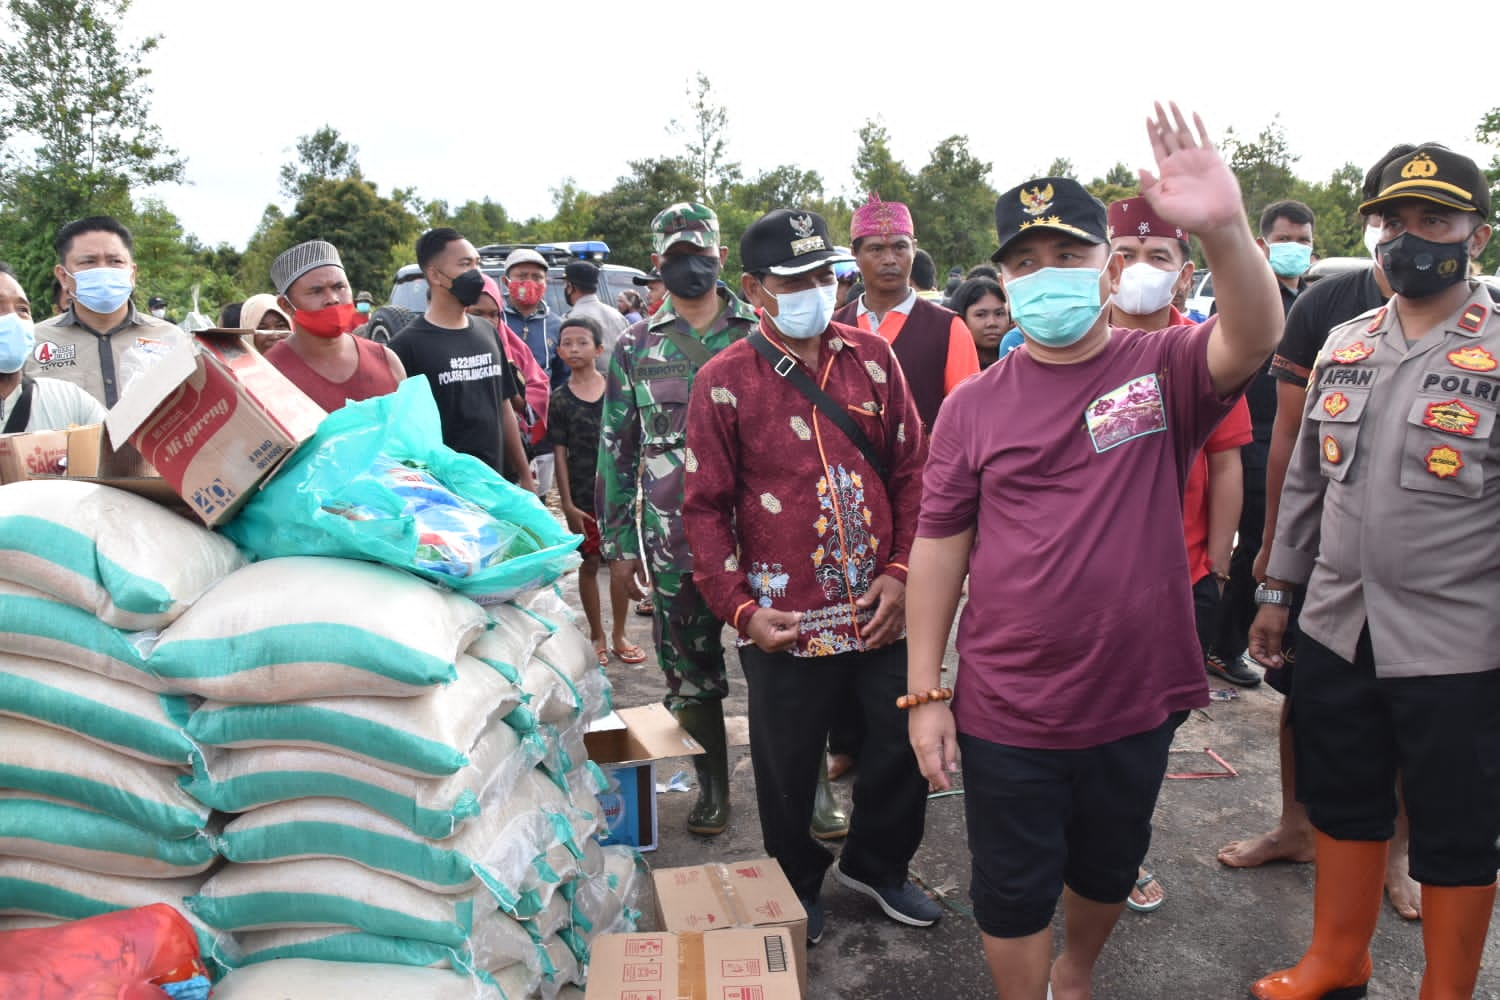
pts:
[1219, 930]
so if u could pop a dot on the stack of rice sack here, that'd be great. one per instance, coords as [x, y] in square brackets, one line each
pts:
[92, 818]
[408, 773]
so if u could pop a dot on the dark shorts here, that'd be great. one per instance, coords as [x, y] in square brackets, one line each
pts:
[1042, 819]
[1356, 732]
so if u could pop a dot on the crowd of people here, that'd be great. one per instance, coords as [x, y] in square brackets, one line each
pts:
[1126, 504]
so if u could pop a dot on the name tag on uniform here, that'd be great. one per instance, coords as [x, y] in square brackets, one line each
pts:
[662, 369]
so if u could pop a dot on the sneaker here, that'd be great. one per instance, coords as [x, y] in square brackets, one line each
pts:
[814, 908]
[904, 903]
[1235, 671]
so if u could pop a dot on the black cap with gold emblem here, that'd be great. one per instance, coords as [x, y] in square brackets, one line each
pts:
[788, 241]
[1059, 203]
[1437, 174]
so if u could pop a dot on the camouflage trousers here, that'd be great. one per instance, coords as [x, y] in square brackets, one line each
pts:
[689, 642]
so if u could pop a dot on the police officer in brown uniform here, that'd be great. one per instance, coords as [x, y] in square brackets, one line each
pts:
[1388, 515]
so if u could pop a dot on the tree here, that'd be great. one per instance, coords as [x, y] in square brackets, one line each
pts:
[785, 186]
[1061, 167]
[321, 156]
[75, 127]
[1262, 166]
[1338, 228]
[954, 205]
[707, 137]
[622, 215]
[370, 232]
[1488, 132]
[480, 221]
[170, 264]
[876, 169]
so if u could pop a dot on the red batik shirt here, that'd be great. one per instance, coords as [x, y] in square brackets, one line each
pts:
[781, 509]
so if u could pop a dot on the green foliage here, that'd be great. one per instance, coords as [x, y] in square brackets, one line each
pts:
[1338, 229]
[1263, 167]
[371, 232]
[1488, 132]
[876, 168]
[706, 143]
[953, 206]
[481, 222]
[321, 156]
[167, 265]
[622, 215]
[1060, 167]
[75, 129]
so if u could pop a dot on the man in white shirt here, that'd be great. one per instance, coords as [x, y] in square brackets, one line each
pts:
[26, 404]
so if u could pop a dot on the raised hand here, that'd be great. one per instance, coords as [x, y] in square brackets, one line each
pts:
[1192, 187]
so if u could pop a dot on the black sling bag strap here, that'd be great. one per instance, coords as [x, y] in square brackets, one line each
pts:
[691, 347]
[786, 366]
[21, 415]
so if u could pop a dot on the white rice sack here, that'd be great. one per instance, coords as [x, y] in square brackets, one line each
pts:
[124, 717]
[519, 868]
[430, 734]
[512, 639]
[46, 829]
[571, 656]
[325, 892]
[563, 969]
[312, 627]
[240, 780]
[34, 624]
[42, 889]
[307, 979]
[127, 561]
[334, 944]
[46, 761]
[500, 941]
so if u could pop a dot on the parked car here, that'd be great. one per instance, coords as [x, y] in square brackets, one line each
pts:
[1200, 300]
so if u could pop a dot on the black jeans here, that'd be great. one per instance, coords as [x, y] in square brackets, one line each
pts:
[793, 700]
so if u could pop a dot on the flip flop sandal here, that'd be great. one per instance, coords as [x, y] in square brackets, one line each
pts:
[603, 653]
[630, 654]
[1155, 904]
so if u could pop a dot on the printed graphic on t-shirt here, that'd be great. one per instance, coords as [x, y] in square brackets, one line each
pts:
[1133, 410]
[474, 368]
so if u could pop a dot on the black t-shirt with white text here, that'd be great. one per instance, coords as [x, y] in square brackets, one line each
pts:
[470, 380]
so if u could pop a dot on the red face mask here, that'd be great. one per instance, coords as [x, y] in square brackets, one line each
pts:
[328, 322]
[526, 293]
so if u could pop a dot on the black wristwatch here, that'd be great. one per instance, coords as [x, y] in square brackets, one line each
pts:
[1280, 598]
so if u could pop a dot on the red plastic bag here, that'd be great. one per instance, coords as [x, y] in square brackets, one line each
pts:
[114, 956]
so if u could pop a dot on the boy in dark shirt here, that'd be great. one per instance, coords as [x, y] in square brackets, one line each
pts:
[573, 420]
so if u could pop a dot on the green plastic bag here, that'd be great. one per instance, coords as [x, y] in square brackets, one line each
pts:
[377, 483]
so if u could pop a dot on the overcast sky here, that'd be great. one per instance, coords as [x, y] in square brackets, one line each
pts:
[472, 99]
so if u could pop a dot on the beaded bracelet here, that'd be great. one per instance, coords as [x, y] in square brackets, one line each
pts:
[923, 697]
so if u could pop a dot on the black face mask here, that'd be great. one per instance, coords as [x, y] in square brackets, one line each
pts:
[1418, 268]
[690, 276]
[467, 287]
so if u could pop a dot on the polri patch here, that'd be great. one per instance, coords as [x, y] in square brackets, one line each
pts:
[1473, 359]
[1444, 462]
[1335, 404]
[1332, 451]
[1357, 351]
[1451, 417]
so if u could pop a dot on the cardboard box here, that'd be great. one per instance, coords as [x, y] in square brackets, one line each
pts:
[743, 964]
[75, 453]
[215, 419]
[626, 744]
[712, 897]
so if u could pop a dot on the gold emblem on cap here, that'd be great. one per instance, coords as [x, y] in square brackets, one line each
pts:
[802, 225]
[1420, 165]
[1036, 201]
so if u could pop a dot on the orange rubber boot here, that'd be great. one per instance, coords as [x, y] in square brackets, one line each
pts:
[1346, 905]
[1455, 921]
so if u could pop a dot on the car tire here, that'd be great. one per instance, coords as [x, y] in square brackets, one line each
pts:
[386, 322]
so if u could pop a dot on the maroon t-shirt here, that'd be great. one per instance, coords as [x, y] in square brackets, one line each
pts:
[1079, 624]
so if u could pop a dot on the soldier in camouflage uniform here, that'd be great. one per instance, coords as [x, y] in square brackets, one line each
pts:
[645, 429]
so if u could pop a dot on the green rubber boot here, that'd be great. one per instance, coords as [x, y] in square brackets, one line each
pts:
[829, 821]
[704, 722]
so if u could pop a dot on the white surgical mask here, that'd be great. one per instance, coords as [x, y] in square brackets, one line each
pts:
[805, 314]
[1144, 289]
[1372, 238]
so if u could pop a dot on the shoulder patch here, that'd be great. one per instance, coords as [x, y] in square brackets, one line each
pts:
[1376, 321]
[1473, 319]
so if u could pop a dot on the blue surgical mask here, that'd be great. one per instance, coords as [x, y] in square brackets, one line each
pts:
[1055, 306]
[103, 289]
[17, 336]
[1290, 260]
[805, 314]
